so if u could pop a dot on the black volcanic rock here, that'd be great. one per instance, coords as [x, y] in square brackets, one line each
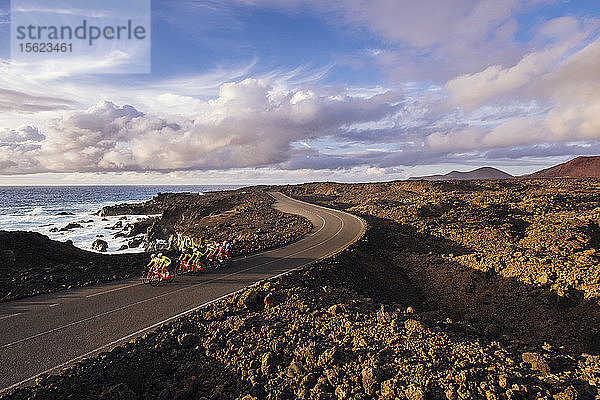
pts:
[236, 216]
[515, 257]
[69, 226]
[7, 256]
[100, 245]
[298, 350]
[27, 258]
[244, 217]
[398, 314]
[479, 173]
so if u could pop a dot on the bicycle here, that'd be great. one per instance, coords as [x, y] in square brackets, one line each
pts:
[211, 263]
[183, 267]
[197, 266]
[222, 259]
[154, 277]
[147, 276]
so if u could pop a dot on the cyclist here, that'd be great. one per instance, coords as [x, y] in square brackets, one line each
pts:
[222, 253]
[195, 259]
[219, 252]
[164, 263]
[226, 248]
[211, 250]
[204, 255]
[185, 258]
[153, 264]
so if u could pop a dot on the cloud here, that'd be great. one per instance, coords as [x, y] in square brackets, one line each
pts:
[250, 124]
[543, 151]
[430, 40]
[483, 95]
[21, 135]
[16, 101]
[16, 157]
[515, 132]
[567, 84]
[573, 89]
[378, 159]
[39, 91]
[403, 21]
[471, 91]
[62, 11]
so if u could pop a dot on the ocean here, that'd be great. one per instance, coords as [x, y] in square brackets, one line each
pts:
[36, 209]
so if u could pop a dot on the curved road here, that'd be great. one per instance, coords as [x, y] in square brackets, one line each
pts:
[45, 333]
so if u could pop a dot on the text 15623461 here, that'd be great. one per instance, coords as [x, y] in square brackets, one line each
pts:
[46, 47]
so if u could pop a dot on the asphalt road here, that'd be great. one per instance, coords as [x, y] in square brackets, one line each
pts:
[45, 333]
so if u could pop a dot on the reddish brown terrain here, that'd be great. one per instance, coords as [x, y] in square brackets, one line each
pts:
[580, 167]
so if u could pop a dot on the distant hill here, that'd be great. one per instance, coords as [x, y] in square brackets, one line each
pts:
[479, 173]
[580, 167]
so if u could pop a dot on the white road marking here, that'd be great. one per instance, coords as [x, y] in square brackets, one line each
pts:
[233, 260]
[10, 315]
[116, 341]
[112, 290]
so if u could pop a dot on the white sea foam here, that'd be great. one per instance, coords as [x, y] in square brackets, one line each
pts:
[98, 228]
[36, 211]
[38, 220]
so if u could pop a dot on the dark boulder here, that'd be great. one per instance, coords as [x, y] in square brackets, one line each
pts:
[135, 243]
[72, 225]
[7, 256]
[100, 245]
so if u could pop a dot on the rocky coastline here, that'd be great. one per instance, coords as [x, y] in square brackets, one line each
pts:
[244, 217]
[31, 263]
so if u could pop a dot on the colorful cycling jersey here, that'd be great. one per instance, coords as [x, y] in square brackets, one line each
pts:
[165, 261]
[212, 249]
[153, 262]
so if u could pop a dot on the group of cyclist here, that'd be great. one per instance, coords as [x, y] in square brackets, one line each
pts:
[215, 255]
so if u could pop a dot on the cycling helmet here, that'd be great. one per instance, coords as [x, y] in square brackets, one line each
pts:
[153, 255]
[159, 255]
[195, 249]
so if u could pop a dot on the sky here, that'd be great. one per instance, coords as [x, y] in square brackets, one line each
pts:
[288, 91]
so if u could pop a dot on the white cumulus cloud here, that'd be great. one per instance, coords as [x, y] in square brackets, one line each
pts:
[248, 125]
